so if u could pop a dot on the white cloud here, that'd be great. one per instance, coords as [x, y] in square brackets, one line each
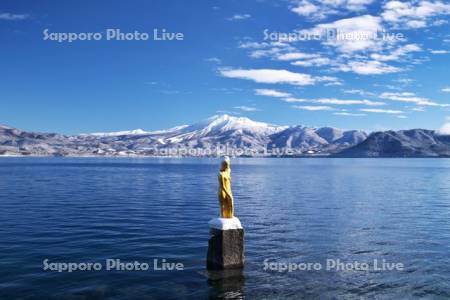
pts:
[397, 53]
[312, 108]
[294, 100]
[419, 109]
[439, 51]
[413, 14]
[305, 8]
[357, 5]
[446, 90]
[360, 48]
[13, 17]
[287, 97]
[371, 67]
[352, 34]
[382, 111]
[227, 112]
[315, 9]
[273, 49]
[359, 92]
[264, 52]
[246, 108]
[349, 114]
[377, 65]
[445, 128]
[439, 22]
[253, 45]
[214, 60]
[319, 61]
[296, 55]
[238, 17]
[334, 101]
[402, 117]
[274, 76]
[333, 83]
[348, 102]
[409, 97]
[330, 80]
[405, 81]
[389, 86]
[416, 24]
[271, 93]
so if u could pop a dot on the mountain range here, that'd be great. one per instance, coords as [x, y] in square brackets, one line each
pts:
[227, 133]
[403, 143]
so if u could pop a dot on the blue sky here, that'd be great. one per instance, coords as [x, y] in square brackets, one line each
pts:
[225, 63]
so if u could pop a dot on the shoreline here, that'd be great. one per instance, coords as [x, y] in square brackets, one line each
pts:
[215, 157]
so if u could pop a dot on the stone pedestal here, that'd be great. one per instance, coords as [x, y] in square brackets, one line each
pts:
[226, 244]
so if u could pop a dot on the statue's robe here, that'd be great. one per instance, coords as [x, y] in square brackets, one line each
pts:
[225, 194]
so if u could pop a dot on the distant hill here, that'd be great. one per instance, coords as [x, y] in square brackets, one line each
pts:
[235, 133]
[219, 130]
[320, 140]
[403, 143]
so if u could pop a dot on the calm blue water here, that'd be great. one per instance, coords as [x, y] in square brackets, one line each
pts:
[293, 210]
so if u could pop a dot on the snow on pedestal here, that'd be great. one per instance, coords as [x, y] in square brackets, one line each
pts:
[226, 244]
[225, 223]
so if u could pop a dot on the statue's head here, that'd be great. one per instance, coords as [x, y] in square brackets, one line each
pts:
[225, 163]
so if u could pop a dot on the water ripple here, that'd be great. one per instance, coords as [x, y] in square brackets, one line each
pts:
[293, 210]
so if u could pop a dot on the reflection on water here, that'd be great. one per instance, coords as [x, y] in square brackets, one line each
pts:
[226, 284]
[293, 210]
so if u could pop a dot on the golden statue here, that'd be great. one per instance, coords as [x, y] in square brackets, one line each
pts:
[225, 194]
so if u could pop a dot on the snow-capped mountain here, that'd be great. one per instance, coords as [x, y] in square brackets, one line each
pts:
[402, 143]
[223, 129]
[119, 133]
[219, 130]
[323, 139]
[223, 123]
[134, 132]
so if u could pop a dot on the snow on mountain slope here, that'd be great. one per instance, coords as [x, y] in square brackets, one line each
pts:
[223, 128]
[297, 137]
[219, 130]
[223, 123]
[136, 132]
[330, 134]
[402, 143]
[119, 133]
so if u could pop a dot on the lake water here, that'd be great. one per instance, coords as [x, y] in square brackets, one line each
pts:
[293, 211]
